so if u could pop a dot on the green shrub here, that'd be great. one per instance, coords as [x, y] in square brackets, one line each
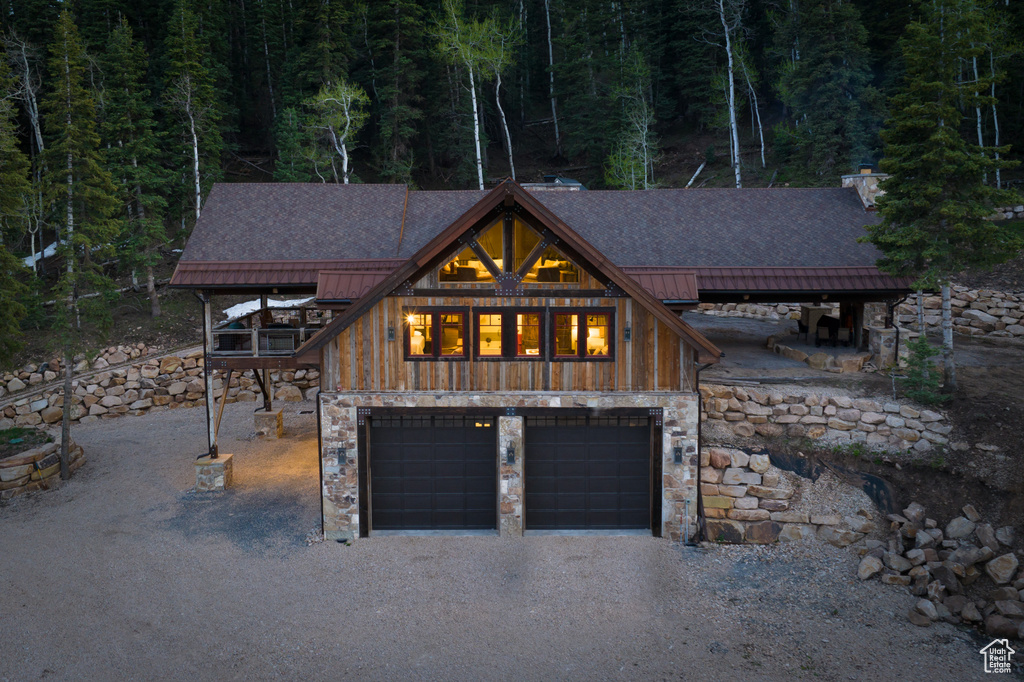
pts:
[922, 381]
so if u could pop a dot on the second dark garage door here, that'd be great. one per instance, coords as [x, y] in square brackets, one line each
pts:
[587, 473]
[433, 473]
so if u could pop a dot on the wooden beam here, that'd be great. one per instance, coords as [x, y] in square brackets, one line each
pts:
[211, 426]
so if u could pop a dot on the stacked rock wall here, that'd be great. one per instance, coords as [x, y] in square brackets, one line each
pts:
[146, 385]
[975, 312]
[36, 469]
[747, 500]
[839, 418]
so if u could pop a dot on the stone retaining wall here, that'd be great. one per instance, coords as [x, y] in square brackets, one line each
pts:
[747, 500]
[43, 373]
[151, 384]
[36, 469]
[976, 312]
[882, 425]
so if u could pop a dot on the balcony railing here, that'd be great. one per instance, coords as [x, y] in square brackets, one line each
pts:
[258, 342]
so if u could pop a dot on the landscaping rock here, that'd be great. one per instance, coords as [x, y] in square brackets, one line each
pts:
[970, 613]
[838, 537]
[869, 567]
[960, 527]
[918, 618]
[1001, 569]
[796, 532]
[1005, 535]
[971, 513]
[926, 608]
[987, 536]
[723, 530]
[914, 512]
[763, 532]
[1000, 626]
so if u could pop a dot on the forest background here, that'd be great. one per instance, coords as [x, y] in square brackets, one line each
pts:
[117, 116]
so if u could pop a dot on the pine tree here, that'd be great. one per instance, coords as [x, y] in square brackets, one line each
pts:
[14, 188]
[291, 138]
[79, 188]
[133, 153]
[191, 93]
[936, 203]
[827, 89]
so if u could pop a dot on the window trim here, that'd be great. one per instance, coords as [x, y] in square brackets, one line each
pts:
[435, 328]
[508, 334]
[582, 334]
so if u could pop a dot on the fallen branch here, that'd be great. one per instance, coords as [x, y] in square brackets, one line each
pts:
[699, 169]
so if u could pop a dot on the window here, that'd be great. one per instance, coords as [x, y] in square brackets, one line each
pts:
[583, 335]
[552, 266]
[489, 336]
[467, 266]
[508, 334]
[528, 335]
[435, 334]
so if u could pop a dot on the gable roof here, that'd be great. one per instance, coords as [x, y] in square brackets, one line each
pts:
[509, 192]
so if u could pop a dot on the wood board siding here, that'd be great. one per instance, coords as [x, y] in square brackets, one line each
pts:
[361, 358]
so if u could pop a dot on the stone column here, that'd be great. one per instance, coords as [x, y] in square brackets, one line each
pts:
[679, 479]
[339, 459]
[510, 435]
[882, 344]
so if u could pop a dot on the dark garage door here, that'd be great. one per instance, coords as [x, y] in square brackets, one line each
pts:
[588, 473]
[433, 472]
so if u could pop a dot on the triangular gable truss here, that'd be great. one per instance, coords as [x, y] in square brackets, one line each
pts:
[463, 232]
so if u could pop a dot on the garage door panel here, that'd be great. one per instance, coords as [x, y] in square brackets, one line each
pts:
[433, 472]
[587, 473]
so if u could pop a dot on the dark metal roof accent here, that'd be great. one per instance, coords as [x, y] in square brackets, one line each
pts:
[833, 279]
[347, 285]
[666, 284]
[282, 273]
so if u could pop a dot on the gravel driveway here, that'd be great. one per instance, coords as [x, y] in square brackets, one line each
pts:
[125, 574]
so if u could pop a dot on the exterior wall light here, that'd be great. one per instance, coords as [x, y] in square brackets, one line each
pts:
[510, 454]
[677, 454]
[627, 333]
[391, 333]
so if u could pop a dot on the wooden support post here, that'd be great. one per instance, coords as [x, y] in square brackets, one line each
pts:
[858, 325]
[208, 372]
[223, 402]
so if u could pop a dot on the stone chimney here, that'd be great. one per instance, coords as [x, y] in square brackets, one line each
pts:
[866, 182]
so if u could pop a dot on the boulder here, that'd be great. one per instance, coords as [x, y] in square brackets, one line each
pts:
[288, 394]
[971, 513]
[859, 524]
[15, 385]
[896, 562]
[987, 536]
[955, 603]
[169, 364]
[869, 567]
[960, 527]
[915, 557]
[759, 463]
[1002, 568]
[970, 613]
[1005, 535]
[719, 458]
[1000, 626]
[923, 539]
[769, 493]
[795, 532]
[724, 530]
[837, 536]
[918, 618]
[100, 363]
[914, 512]
[763, 532]
[926, 608]
[945, 576]
[52, 415]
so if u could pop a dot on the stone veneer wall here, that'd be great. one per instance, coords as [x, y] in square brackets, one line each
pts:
[147, 385]
[339, 426]
[883, 425]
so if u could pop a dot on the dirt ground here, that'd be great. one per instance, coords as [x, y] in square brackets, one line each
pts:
[125, 573]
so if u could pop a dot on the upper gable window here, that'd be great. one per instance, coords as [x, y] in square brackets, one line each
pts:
[552, 266]
[524, 240]
[468, 267]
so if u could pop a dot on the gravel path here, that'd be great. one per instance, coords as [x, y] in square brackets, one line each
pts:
[125, 574]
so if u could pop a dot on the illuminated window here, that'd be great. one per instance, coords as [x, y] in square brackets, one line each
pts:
[552, 266]
[584, 335]
[523, 241]
[467, 266]
[452, 334]
[489, 337]
[528, 335]
[566, 334]
[421, 334]
[598, 335]
[435, 334]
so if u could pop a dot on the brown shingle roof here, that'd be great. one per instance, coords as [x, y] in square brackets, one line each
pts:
[297, 221]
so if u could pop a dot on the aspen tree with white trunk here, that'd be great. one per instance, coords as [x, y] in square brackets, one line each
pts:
[338, 113]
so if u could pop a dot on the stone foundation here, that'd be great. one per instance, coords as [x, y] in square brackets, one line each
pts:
[213, 475]
[340, 432]
[269, 424]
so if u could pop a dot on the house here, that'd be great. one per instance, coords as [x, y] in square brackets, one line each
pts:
[510, 361]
